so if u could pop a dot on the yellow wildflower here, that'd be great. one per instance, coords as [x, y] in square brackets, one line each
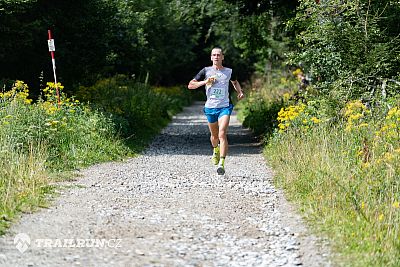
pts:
[364, 124]
[393, 112]
[315, 120]
[356, 116]
[296, 72]
[388, 156]
[365, 165]
[286, 96]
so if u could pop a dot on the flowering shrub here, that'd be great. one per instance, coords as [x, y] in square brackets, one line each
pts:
[134, 106]
[391, 125]
[288, 115]
[68, 127]
[299, 116]
[19, 92]
[356, 114]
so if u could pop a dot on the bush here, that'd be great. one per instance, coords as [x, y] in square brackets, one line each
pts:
[135, 107]
[347, 48]
[258, 111]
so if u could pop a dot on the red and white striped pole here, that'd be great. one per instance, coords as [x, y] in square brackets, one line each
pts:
[52, 48]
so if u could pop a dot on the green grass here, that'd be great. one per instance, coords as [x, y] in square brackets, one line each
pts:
[352, 204]
[23, 181]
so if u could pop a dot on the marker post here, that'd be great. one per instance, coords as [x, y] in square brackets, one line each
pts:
[52, 48]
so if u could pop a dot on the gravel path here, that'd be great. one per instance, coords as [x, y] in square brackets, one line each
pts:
[168, 207]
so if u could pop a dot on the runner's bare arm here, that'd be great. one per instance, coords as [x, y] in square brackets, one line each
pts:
[238, 89]
[194, 84]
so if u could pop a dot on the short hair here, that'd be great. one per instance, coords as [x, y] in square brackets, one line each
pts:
[218, 48]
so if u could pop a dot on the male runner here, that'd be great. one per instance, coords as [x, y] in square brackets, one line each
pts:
[218, 106]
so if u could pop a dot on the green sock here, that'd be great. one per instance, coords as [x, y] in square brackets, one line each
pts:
[216, 150]
[222, 161]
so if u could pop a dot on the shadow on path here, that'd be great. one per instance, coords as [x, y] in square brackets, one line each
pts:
[195, 139]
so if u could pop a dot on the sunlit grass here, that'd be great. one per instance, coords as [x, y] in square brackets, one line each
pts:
[23, 179]
[354, 202]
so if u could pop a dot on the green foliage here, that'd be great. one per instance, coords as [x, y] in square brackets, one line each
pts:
[258, 111]
[80, 32]
[345, 47]
[338, 159]
[148, 39]
[210, 24]
[250, 33]
[161, 42]
[133, 106]
[259, 114]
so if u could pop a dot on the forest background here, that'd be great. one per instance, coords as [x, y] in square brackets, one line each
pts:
[321, 77]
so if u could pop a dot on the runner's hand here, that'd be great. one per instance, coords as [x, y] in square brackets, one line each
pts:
[210, 80]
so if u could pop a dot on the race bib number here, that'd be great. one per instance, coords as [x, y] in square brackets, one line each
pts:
[217, 93]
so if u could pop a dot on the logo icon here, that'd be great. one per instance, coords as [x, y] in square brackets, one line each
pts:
[22, 242]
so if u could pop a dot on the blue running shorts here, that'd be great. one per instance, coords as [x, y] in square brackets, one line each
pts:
[213, 114]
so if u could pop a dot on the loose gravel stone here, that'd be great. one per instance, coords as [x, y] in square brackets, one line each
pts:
[168, 207]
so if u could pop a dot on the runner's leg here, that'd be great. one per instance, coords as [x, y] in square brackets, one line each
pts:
[223, 124]
[214, 142]
[214, 133]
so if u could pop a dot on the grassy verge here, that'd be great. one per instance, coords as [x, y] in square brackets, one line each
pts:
[355, 203]
[341, 164]
[41, 142]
